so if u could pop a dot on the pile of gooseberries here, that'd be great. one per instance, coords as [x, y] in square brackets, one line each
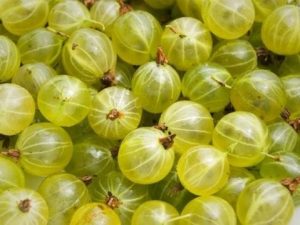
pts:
[149, 112]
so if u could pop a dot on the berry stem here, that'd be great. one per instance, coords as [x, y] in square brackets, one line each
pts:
[163, 127]
[161, 58]
[168, 141]
[24, 205]
[108, 79]
[291, 184]
[112, 201]
[294, 123]
[87, 180]
[13, 153]
[275, 158]
[124, 7]
[222, 83]
[58, 32]
[176, 31]
[113, 114]
[89, 3]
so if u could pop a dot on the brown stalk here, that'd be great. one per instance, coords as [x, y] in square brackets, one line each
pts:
[124, 7]
[113, 114]
[24, 205]
[112, 201]
[168, 141]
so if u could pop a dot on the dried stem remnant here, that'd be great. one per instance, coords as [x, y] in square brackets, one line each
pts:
[87, 180]
[108, 79]
[113, 114]
[295, 123]
[176, 31]
[89, 3]
[220, 82]
[13, 153]
[161, 58]
[167, 141]
[124, 7]
[112, 201]
[291, 184]
[24, 205]
[163, 127]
